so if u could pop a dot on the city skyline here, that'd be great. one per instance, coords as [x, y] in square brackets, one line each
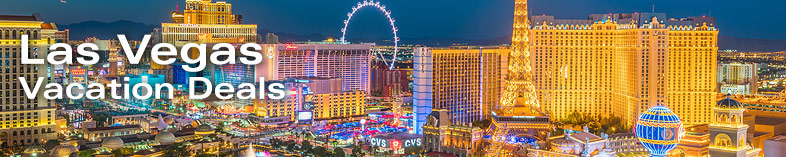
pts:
[444, 19]
[568, 83]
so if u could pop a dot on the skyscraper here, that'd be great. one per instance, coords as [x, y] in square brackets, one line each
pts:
[465, 82]
[24, 121]
[271, 38]
[622, 64]
[738, 78]
[207, 22]
[349, 62]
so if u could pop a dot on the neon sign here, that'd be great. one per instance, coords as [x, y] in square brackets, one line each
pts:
[189, 25]
[395, 144]
[412, 142]
[78, 71]
[270, 52]
[290, 46]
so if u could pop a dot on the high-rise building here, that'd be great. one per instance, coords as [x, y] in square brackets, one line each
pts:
[271, 38]
[321, 96]
[25, 121]
[622, 64]
[423, 87]
[349, 62]
[206, 12]
[235, 74]
[388, 82]
[465, 82]
[738, 78]
[207, 22]
[337, 105]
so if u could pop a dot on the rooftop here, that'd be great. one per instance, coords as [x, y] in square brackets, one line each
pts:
[624, 18]
[34, 17]
[113, 128]
[769, 120]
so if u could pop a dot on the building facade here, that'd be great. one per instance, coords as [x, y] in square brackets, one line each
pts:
[321, 96]
[235, 74]
[206, 12]
[466, 82]
[25, 121]
[728, 133]
[422, 88]
[207, 22]
[338, 105]
[439, 135]
[738, 78]
[349, 62]
[622, 64]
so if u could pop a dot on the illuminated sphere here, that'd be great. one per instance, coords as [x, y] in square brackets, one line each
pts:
[659, 130]
[204, 129]
[112, 142]
[165, 138]
[34, 150]
[63, 150]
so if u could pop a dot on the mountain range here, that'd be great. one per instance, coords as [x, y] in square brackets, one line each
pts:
[135, 31]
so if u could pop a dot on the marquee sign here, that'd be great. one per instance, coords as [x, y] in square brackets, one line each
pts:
[394, 143]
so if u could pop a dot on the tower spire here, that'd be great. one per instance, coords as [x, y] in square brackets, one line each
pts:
[519, 98]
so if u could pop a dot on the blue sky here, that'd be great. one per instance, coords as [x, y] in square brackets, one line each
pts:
[467, 19]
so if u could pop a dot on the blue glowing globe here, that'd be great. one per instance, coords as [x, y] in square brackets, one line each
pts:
[659, 130]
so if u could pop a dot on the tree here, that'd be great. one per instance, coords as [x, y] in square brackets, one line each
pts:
[306, 148]
[291, 146]
[51, 144]
[373, 150]
[86, 153]
[122, 152]
[483, 124]
[338, 152]
[357, 150]
[275, 143]
[320, 151]
[177, 149]
[101, 118]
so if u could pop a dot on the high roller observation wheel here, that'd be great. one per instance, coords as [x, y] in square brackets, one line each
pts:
[392, 21]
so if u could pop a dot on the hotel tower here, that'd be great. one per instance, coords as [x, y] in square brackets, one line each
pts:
[622, 64]
[24, 121]
[207, 22]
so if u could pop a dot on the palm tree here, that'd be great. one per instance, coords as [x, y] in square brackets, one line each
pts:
[177, 149]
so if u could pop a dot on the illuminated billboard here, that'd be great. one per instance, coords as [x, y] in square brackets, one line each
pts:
[305, 117]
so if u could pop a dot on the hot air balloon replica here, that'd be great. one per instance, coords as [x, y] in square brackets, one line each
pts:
[659, 130]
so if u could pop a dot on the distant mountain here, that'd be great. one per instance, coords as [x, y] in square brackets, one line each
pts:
[135, 31]
[284, 37]
[104, 30]
[751, 45]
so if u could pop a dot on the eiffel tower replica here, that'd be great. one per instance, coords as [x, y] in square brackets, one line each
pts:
[519, 110]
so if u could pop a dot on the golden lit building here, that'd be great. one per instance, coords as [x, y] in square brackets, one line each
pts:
[337, 105]
[466, 82]
[206, 12]
[207, 22]
[326, 106]
[440, 135]
[277, 108]
[696, 141]
[622, 64]
[25, 121]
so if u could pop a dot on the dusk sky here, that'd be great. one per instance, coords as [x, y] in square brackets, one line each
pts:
[466, 19]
